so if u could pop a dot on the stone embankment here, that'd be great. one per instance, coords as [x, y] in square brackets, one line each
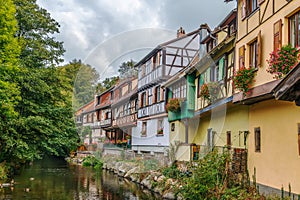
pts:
[152, 180]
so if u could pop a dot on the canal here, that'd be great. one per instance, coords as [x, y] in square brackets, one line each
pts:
[54, 178]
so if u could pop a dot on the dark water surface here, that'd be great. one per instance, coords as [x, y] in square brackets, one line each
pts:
[55, 179]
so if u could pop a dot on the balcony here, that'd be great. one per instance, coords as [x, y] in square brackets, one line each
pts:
[186, 111]
[152, 77]
[153, 109]
[104, 123]
[128, 120]
[223, 90]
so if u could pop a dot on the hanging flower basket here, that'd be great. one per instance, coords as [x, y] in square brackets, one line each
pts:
[210, 91]
[174, 104]
[243, 79]
[283, 60]
[214, 90]
[204, 92]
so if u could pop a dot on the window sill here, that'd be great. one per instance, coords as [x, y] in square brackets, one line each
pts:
[143, 135]
[159, 135]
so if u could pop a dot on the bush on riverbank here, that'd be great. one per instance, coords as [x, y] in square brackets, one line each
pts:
[92, 161]
[210, 178]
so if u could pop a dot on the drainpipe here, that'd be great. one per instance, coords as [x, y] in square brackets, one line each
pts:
[186, 124]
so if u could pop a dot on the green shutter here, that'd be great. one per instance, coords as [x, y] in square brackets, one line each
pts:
[221, 69]
[201, 80]
[207, 78]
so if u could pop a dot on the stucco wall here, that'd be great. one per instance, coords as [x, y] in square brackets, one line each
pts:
[221, 120]
[278, 162]
[263, 20]
[151, 138]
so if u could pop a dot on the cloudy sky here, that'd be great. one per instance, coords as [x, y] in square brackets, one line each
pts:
[98, 25]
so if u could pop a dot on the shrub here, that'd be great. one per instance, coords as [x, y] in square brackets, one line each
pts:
[243, 79]
[92, 161]
[174, 104]
[204, 92]
[283, 60]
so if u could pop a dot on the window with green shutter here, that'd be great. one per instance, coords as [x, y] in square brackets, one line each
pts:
[221, 69]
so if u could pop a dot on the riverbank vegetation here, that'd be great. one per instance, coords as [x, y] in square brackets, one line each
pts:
[36, 116]
[208, 178]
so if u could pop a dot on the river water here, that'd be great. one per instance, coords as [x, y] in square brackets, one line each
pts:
[55, 179]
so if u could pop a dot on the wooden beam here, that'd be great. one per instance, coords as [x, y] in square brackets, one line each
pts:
[189, 49]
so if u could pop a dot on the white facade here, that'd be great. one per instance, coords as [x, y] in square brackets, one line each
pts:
[152, 141]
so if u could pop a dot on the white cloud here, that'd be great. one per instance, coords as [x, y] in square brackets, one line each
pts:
[86, 24]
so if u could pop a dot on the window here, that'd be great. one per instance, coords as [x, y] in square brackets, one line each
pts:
[210, 138]
[299, 139]
[179, 89]
[219, 70]
[150, 96]
[277, 35]
[125, 110]
[242, 57]
[294, 30]
[107, 115]
[98, 115]
[129, 108]
[228, 141]
[257, 139]
[230, 65]
[160, 127]
[144, 129]
[253, 54]
[252, 6]
[143, 99]
[98, 100]
[157, 94]
[248, 7]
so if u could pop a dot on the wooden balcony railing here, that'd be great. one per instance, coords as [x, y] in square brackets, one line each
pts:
[153, 109]
[151, 77]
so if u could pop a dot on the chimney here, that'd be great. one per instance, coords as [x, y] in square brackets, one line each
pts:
[180, 32]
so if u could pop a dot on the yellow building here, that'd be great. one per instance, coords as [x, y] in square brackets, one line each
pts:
[273, 144]
[207, 118]
[221, 123]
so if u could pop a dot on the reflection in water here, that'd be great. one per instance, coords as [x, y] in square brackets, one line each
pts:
[55, 179]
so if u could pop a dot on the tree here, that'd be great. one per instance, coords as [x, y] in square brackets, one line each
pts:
[9, 91]
[106, 84]
[35, 34]
[40, 96]
[127, 69]
[84, 80]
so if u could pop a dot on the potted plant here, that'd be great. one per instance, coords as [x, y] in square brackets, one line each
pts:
[283, 60]
[174, 105]
[204, 92]
[214, 90]
[160, 131]
[243, 79]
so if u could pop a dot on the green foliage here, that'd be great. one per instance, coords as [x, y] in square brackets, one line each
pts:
[83, 131]
[243, 79]
[9, 47]
[3, 171]
[126, 69]
[172, 172]
[35, 99]
[283, 60]
[212, 179]
[92, 161]
[106, 84]
[151, 164]
[35, 33]
[84, 81]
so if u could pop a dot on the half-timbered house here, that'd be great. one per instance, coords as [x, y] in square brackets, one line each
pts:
[152, 133]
